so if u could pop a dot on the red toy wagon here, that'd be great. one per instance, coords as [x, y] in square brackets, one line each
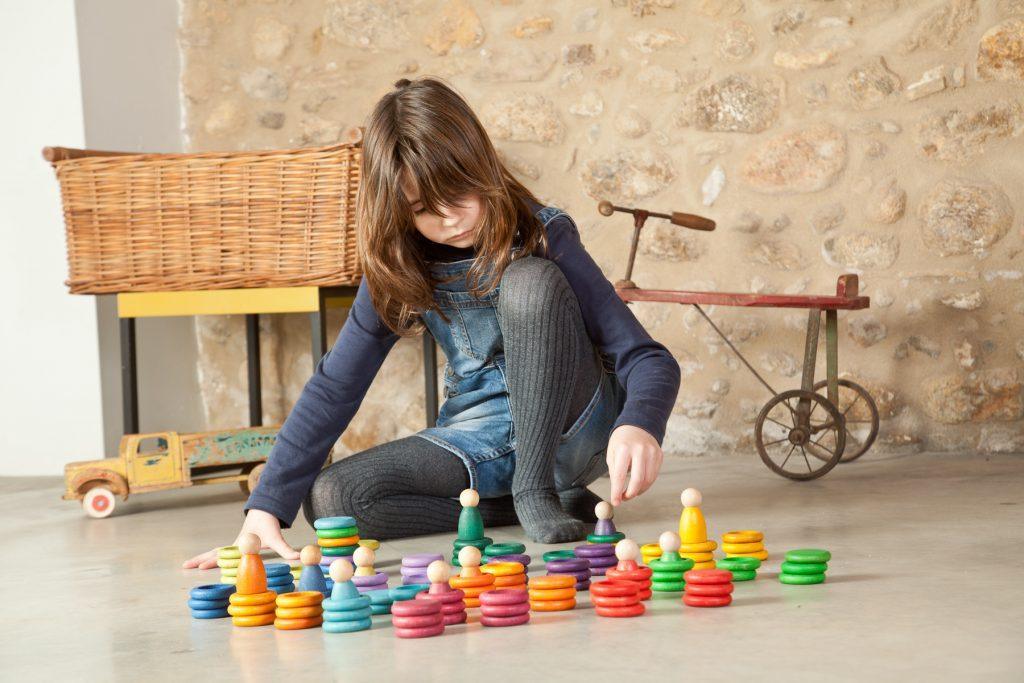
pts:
[801, 434]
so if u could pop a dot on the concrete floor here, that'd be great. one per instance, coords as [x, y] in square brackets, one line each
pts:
[927, 580]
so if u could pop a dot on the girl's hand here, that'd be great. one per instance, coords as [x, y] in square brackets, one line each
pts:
[632, 450]
[264, 525]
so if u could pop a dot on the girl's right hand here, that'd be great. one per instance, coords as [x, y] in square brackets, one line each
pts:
[264, 525]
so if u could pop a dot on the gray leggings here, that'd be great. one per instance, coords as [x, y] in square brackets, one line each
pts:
[409, 487]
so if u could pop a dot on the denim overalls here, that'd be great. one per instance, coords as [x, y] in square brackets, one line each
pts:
[475, 420]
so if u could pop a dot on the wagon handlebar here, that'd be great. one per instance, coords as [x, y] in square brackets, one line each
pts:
[686, 220]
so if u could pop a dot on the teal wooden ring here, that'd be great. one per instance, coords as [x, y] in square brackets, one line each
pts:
[333, 522]
[408, 592]
[551, 555]
[345, 604]
[499, 549]
[348, 614]
[342, 551]
[346, 626]
[480, 543]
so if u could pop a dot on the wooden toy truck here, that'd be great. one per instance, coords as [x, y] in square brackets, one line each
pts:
[168, 460]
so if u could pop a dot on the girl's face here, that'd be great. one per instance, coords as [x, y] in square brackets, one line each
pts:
[456, 226]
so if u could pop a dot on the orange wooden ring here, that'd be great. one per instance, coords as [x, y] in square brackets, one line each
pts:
[552, 593]
[250, 610]
[337, 542]
[475, 592]
[511, 581]
[471, 602]
[471, 581]
[299, 612]
[553, 581]
[257, 620]
[300, 599]
[252, 598]
[503, 568]
[552, 605]
[296, 624]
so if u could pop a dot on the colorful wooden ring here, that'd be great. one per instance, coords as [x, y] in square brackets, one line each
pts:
[742, 536]
[422, 621]
[801, 579]
[514, 581]
[742, 548]
[553, 555]
[211, 591]
[706, 600]
[496, 549]
[453, 607]
[708, 576]
[421, 559]
[759, 555]
[577, 576]
[667, 576]
[250, 610]
[229, 552]
[583, 586]
[668, 586]
[504, 610]
[702, 547]
[371, 543]
[340, 551]
[650, 550]
[228, 564]
[739, 575]
[614, 589]
[710, 564]
[338, 542]
[471, 581]
[638, 574]
[256, 620]
[420, 632]
[448, 597]
[681, 564]
[699, 557]
[340, 532]
[808, 555]
[207, 604]
[333, 522]
[552, 581]
[505, 621]
[296, 624]
[602, 562]
[503, 597]
[804, 567]
[733, 564]
[709, 588]
[471, 601]
[503, 569]
[552, 605]
[348, 615]
[209, 613]
[277, 569]
[476, 592]
[479, 543]
[416, 608]
[455, 618]
[595, 550]
[634, 610]
[299, 612]
[300, 599]
[553, 593]
[242, 599]
[347, 626]
[578, 564]
[605, 538]
[345, 604]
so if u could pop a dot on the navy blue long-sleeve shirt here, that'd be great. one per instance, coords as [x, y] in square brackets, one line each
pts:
[331, 397]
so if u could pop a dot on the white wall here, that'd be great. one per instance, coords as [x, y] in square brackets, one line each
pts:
[50, 410]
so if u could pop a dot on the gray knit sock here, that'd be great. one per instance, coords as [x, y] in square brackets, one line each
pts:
[550, 364]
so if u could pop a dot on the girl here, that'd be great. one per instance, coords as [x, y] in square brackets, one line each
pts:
[547, 371]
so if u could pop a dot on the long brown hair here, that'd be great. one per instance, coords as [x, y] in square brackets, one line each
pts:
[425, 129]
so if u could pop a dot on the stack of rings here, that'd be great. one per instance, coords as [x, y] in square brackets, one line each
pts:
[506, 574]
[453, 609]
[616, 599]
[420, 618]
[504, 608]
[745, 543]
[600, 555]
[552, 593]
[742, 568]
[629, 571]
[347, 614]
[708, 588]
[473, 587]
[253, 609]
[667, 573]
[576, 567]
[805, 567]
[299, 610]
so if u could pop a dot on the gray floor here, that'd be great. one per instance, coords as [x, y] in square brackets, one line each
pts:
[926, 580]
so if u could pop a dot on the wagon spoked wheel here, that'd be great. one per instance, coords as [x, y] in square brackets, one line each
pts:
[784, 435]
[860, 414]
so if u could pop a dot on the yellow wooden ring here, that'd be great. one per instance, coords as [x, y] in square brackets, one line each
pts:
[299, 599]
[369, 543]
[699, 557]
[502, 568]
[704, 565]
[337, 542]
[705, 547]
[650, 550]
[252, 598]
[258, 620]
[760, 554]
[299, 612]
[296, 624]
[250, 610]
[229, 579]
[553, 581]
[552, 594]
[743, 536]
[229, 552]
[226, 571]
[228, 564]
[743, 547]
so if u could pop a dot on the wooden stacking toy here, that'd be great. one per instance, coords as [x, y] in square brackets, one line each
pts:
[299, 610]
[251, 604]
[380, 601]
[420, 618]
[745, 543]
[504, 608]
[471, 580]
[346, 611]
[296, 571]
[552, 593]
[279, 577]
[667, 571]
[649, 551]
[228, 558]
[627, 569]
[507, 552]
[407, 591]
[510, 575]
[366, 577]
[336, 536]
[414, 567]
[604, 531]
[616, 599]
[312, 577]
[453, 609]
[708, 588]
[693, 532]
[559, 555]
[576, 567]
[600, 555]
[210, 601]
[471, 526]
[805, 567]
[742, 568]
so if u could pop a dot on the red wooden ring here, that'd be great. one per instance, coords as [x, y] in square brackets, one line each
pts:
[706, 600]
[503, 597]
[615, 588]
[629, 611]
[708, 576]
[709, 589]
[615, 601]
[455, 618]
[419, 632]
[638, 574]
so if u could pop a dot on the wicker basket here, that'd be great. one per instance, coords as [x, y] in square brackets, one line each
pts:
[160, 222]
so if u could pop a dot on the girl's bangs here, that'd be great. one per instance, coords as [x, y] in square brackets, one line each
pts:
[442, 180]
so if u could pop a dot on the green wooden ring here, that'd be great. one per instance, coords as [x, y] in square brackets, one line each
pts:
[341, 551]
[804, 567]
[743, 564]
[808, 555]
[499, 549]
[742, 575]
[480, 543]
[668, 586]
[341, 532]
[667, 576]
[801, 579]
[683, 564]
[552, 555]
[605, 538]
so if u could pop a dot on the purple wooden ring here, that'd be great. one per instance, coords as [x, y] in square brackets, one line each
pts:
[421, 559]
[582, 586]
[375, 580]
[594, 550]
[505, 621]
[598, 571]
[420, 632]
[579, 576]
[521, 559]
[603, 562]
[504, 597]
[567, 566]
[412, 571]
[504, 610]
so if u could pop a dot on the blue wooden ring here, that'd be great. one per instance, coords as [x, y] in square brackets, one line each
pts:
[345, 604]
[333, 522]
[212, 591]
[209, 613]
[346, 626]
[207, 604]
[277, 568]
[408, 592]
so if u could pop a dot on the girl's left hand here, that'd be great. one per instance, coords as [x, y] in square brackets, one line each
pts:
[633, 450]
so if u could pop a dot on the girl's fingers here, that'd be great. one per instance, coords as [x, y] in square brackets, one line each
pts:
[619, 465]
[203, 561]
[637, 473]
[281, 547]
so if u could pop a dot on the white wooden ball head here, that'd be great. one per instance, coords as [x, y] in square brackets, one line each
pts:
[691, 498]
[439, 571]
[469, 498]
[627, 549]
[669, 542]
[363, 556]
[469, 556]
[248, 543]
[604, 510]
[341, 571]
[310, 555]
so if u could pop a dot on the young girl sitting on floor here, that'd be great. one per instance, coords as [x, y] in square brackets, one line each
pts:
[547, 371]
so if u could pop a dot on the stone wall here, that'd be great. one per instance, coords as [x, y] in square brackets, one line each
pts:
[879, 137]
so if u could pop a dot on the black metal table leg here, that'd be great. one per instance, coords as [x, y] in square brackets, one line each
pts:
[252, 352]
[430, 377]
[129, 378]
[318, 330]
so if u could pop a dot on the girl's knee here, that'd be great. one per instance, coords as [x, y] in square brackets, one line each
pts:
[531, 283]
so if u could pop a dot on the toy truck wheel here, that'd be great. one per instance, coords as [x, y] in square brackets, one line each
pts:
[249, 484]
[98, 502]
